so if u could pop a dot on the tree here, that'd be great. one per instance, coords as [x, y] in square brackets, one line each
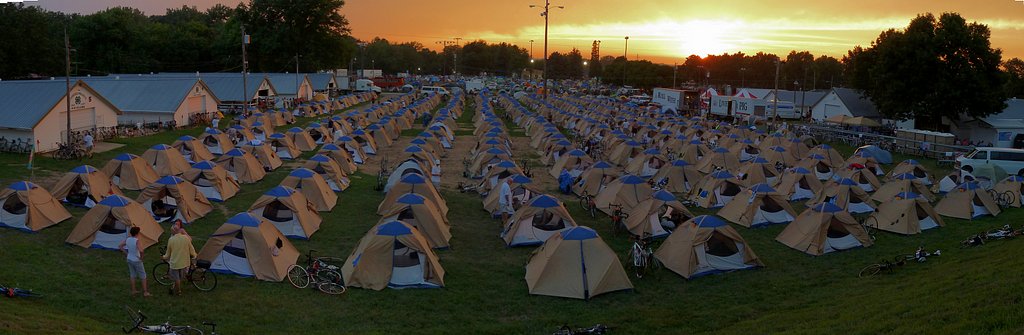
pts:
[281, 29]
[1014, 69]
[935, 68]
[33, 42]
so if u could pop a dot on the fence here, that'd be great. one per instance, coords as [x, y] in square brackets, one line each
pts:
[944, 153]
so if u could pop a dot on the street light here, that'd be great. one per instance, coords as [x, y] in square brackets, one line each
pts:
[625, 56]
[743, 77]
[545, 14]
[531, 50]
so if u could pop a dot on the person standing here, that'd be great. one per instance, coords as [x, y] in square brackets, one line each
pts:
[88, 140]
[136, 270]
[179, 256]
[505, 200]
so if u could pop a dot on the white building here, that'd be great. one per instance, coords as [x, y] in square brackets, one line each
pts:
[1005, 129]
[36, 111]
[156, 99]
[844, 101]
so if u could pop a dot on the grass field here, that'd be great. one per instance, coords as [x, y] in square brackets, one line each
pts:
[963, 291]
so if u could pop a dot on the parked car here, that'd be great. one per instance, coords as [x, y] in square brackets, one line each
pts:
[1010, 160]
[434, 90]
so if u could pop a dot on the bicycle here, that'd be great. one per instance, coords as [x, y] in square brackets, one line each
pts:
[137, 318]
[587, 202]
[642, 255]
[1002, 199]
[14, 292]
[318, 273]
[619, 217]
[885, 265]
[1004, 232]
[199, 275]
[69, 152]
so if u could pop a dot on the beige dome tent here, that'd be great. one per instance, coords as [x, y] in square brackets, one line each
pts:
[301, 139]
[340, 156]
[283, 146]
[1010, 188]
[106, 225]
[595, 179]
[365, 141]
[395, 255]
[869, 162]
[952, 180]
[535, 222]
[799, 183]
[172, 198]
[328, 169]
[575, 162]
[824, 228]
[900, 183]
[718, 158]
[905, 213]
[249, 246]
[967, 202]
[242, 166]
[627, 191]
[912, 167]
[192, 149]
[130, 172]
[757, 206]
[706, 245]
[25, 206]
[863, 177]
[757, 171]
[715, 190]
[819, 165]
[575, 263]
[413, 183]
[354, 149]
[289, 211]
[657, 215]
[264, 154]
[647, 163]
[166, 161]
[779, 155]
[678, 176]
[218, 142]
[422, 214]
[84, 186]
[827, 154]
[312, 186]
[212, 180]
[319, 133]
[847, 195]
[484, 160]
[744, 149]
[522, 193]
[497, 172]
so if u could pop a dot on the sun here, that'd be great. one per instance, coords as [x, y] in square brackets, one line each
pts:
[704, 38]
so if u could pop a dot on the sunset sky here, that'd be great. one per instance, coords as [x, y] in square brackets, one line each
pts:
[659, 30]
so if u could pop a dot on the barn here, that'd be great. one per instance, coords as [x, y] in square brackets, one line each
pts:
[844, 101]
[156, 99]
[36, 111]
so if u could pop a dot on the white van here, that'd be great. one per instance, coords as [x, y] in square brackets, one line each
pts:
[434, 89]
[1011, 160]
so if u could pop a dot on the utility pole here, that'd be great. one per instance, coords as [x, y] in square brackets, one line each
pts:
[296, 76]
[455, 55]
[775, 103]
[675, 68]
[531, 51]
[625, 56]
[546, 15]
[245, 74]
[67, 83]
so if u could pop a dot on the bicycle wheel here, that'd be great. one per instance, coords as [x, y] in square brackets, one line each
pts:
[161, 273]
[185, 330]
[331, 288]
[593, 210]
[870, 270]
[329, 276]
[204, 280]
[298, 276]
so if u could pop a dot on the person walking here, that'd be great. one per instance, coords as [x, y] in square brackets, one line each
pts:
[179, 256]
[505, 200]
[88, 141]
[136, 270]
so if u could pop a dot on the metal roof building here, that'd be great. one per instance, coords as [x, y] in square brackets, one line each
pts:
[156, 98]
[36, 111]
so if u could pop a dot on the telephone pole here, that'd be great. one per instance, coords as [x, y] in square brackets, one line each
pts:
[625, 57]
[67, 82]
[546, 15]
[245, 74]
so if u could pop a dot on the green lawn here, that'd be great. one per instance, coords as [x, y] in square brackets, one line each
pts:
[963, 291]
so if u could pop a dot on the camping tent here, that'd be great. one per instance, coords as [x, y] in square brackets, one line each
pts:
[212, 180]
[715, 190]
[171, 198]
[798, 183]
[192, 149]
[532, 224]
[845, 194]
[824, 228]
[301, 139]
[900, 183]
[283, 146]
[313, 187]
[647, 163]
[912, 167]
[242, 166]
[575, 162]
[218, 142]
[657, 216]
[522, 192]
[575, 263]
[756, 206]
[866, 180]
[23, 205]
[84, 186]
[422, 214]
[880, 155]
[967, 201]
[1010, 188]
[718, 158]
[407, 167]
[106, 225]
[594, 179]
[413, 183]
[393, 254]
[340, 156]
[822, 169]
[953, 179]
[289, 211]
[365, 141]
[677, 176]
[626, 191]
[130, 172]
[906, 213]
[247, 245]
[264, 154]
[166, 160]
[756, 171]
[329, 170]
[353, 148]
[864, 158]
[705, 245]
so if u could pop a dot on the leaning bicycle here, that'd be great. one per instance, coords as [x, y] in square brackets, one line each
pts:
[319, 272]
[587, 202]
[641, 255]
[199, 275]
[618, 217]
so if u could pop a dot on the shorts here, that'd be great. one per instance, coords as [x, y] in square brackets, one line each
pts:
[178, 274]
[505, 208]
[136, 270]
